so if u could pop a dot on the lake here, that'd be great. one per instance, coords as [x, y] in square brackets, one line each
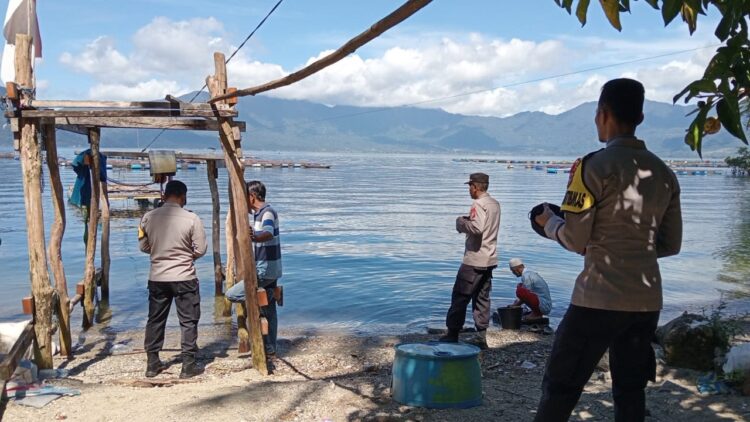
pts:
[370, 244]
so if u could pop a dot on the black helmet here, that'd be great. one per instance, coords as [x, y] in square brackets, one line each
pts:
[540, 209]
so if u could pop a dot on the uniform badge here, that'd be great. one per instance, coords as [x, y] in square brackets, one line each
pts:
[577, 197]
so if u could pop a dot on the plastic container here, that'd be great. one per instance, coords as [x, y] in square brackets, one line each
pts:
[510, 317]
[437, 375]
[162, 162]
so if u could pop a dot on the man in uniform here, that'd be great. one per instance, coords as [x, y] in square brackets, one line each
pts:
[174, 237]
[622, 212]
[474, 278]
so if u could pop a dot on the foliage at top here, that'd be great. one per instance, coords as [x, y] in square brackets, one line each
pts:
[741, 163]
[723, 90]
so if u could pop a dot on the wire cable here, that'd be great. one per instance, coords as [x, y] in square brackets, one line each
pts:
[236, 50]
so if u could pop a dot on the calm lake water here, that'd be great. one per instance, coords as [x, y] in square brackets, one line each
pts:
[370, 244]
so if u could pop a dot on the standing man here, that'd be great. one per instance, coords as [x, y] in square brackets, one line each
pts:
[174, 237]
[264, 233]
[474, 278]
[622, 212]
[532, 291]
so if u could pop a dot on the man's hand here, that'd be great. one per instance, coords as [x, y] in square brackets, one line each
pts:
[252, 233]
[542, 218]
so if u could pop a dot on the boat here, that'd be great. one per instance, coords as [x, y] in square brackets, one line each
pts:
[551, 170]
[510, 166]
[136, 166]
[699, 172]
[109, 167]
[538, 167]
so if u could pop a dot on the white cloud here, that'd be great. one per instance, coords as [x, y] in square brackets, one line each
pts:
[148, 90]
[461, 73]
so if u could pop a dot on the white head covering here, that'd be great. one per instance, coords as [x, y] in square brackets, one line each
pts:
[515, 262]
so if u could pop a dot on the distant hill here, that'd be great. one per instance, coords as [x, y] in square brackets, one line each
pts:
[277, 124]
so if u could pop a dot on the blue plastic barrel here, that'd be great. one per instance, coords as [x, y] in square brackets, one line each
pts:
[437, 375]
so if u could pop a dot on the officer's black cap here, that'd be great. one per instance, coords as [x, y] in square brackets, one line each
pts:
[478, 178]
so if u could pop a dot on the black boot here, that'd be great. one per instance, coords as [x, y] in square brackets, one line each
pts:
[153, 365]
[189, 367]
[479, 339]
[450, 337]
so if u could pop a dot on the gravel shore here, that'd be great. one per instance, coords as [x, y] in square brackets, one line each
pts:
[331, 378]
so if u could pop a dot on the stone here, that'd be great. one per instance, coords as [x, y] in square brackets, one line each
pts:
[690, 341]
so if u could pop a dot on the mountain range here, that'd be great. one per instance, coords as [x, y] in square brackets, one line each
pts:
[279, 124]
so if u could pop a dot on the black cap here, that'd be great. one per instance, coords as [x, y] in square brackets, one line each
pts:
[478, 178]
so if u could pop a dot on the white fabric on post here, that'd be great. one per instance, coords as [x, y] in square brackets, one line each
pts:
[19, 19]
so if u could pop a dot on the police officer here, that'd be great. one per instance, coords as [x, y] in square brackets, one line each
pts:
[174, 238]
[622, 212]
[474, 278]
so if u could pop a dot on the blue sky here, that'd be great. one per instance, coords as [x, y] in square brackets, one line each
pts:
[139, 49]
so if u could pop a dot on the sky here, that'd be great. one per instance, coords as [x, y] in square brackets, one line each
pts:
[478, 57]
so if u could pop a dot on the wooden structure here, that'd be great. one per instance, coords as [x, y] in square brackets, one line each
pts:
[29, 116]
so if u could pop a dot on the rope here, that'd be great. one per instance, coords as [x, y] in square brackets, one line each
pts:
[198, 92]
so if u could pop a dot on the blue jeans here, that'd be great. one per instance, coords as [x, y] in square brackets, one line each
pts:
[236, 294]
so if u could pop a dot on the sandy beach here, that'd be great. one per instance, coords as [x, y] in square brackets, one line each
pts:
[332, 378]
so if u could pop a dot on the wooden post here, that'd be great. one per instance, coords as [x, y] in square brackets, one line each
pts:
[55, 239]
[105, 242]
[243, 336]
[238, 205]
[31, 166]
[89, 277]
[213, 174]
[230, 271]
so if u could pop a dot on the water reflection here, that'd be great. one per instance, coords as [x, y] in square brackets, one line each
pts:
[370, 245]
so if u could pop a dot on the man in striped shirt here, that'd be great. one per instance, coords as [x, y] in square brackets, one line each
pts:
[264, 234]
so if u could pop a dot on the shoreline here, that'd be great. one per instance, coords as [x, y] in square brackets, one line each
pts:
[334, 378]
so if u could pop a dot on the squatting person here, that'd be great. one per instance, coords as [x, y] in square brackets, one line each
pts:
[264, 234]
[175, 238]
[474, 279]
[622, 212]
[532, 291]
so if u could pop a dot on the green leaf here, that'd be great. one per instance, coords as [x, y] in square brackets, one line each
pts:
[694, 136]
[718, 67]
[695, 88]
[567, 4]
[581, 10]
[670, 9]
[612, 10]
[728, 110]
[725, 25]
[690, 16]
[653, 3]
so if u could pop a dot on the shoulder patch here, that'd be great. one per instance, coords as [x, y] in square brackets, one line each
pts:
[141, 233]
[577, 197]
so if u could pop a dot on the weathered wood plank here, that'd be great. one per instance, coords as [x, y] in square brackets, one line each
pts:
[9, 364]
[179, 155]
[89, 277]
[239, 207]
[213, 173]
[170, 123]
[31, 167]
[157, 113]
[168, 104]
[229, 276]
[55, 239]
[105, 258]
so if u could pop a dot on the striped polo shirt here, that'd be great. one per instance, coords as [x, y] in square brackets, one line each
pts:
[268, 253]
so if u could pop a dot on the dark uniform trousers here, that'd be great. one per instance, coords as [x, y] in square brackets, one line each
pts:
[582, 338]
[473, 284]
[186, 295]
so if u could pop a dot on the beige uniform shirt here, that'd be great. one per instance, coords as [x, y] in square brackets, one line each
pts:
[481, 228]
[174, 237]
[622, 212]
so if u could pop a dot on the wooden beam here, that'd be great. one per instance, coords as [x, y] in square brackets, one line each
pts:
[213, 174]
[81, 130]
[172, 104]
[54, 250]
[239, 207]
[158, 113]
[179, 155]
[170, 123]
[229, 274]
[105, 259]
[10, 362]
[31, 167]
[93, 214]
[396, 17]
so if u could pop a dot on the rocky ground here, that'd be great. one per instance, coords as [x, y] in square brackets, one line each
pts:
[332, 378]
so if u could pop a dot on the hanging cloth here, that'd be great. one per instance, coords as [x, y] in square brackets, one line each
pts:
[19, 19]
